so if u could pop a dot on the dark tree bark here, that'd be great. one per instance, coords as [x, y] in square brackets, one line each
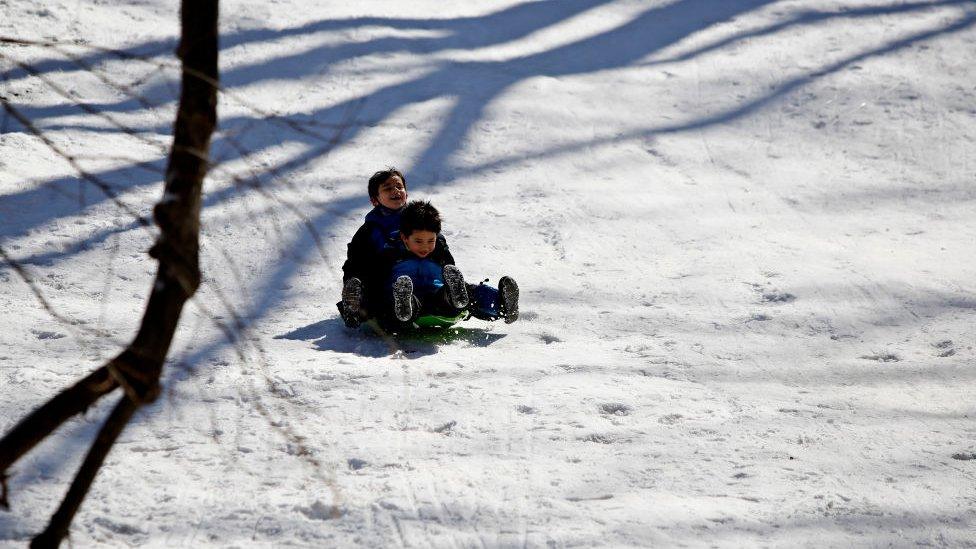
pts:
[137, 369]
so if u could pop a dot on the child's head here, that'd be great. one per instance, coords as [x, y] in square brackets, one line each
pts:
[388, 188]
[419, 224]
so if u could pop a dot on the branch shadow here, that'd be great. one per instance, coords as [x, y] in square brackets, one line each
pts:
[434, 158]
[651, 31]
[502, 26]
[474, 85]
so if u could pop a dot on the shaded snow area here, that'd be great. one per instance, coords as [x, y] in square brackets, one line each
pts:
[743, 231]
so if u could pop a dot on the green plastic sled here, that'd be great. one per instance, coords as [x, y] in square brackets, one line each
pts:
[437, 321]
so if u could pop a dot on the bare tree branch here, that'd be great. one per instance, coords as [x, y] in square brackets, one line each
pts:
[44, 420]
[137, 369]
[57, 529]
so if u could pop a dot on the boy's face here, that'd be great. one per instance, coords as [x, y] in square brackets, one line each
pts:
[420, 243]
[391, 193]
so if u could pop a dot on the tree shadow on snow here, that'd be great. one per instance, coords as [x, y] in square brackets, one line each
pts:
[474, 84]
[471, 85]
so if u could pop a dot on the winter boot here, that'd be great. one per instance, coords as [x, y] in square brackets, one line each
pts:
[457, 292]
[350, 320]
[352, 302]
[508, 292]
[403, 300]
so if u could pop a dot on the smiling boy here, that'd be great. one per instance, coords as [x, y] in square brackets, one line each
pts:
[420, 282]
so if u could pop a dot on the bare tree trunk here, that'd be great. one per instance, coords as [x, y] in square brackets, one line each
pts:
[138, 368]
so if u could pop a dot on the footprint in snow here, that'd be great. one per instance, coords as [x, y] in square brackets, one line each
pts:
[318, 511]
[767, 294]
[445, 428]
[118, 527]
[882, 357]
[599, 438]
[615, 409]
[670, 419]
[549, 338]
[944, 348]
[777, 297]
[43, 334]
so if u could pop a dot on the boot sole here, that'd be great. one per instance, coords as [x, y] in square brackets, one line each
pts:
[352, 296]
[508, 292]
[457, 291]
[403, 298]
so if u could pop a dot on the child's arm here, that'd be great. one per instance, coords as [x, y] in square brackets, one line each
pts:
[359, 254]
[442, 254]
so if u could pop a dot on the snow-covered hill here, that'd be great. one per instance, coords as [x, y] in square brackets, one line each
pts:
[744, 233]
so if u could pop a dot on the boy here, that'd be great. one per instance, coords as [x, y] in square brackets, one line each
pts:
[419, 282]
[367, 268]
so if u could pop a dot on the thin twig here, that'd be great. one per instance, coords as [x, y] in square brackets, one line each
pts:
[84, 106]
[101, 184]
[4, 503]
[299, 127]
[139, 382]
[137, 369]
[66, 322]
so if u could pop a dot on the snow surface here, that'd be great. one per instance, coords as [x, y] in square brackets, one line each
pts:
[744, 233]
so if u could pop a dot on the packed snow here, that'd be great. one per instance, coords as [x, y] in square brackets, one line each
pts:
[743, 230]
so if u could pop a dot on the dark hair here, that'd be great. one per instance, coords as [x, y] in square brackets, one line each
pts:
[419, 216]
[373, 188]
